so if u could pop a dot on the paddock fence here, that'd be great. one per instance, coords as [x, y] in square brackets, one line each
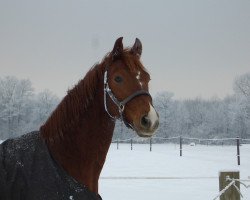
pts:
[180, 140]
[204, 184]
[229, 183]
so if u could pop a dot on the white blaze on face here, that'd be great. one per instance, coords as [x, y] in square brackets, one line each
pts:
[154, 122]
[153, 116]
[138, 77]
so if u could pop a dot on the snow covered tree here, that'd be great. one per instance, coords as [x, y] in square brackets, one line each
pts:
[163, 102]
[21, 110]
[241, 87]
[44, 103]
[15, 100]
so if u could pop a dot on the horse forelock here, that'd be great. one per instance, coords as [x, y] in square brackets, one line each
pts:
[132, 62]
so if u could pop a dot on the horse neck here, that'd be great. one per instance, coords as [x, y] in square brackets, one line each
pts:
[81, 147]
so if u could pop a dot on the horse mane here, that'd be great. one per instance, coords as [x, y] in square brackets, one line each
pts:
[78, 99]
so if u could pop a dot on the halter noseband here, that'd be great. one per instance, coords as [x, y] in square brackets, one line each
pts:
[119, 104]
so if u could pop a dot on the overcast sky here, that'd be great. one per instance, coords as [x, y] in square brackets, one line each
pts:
[191, 48]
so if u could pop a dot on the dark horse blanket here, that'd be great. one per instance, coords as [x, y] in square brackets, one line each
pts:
[28, 172]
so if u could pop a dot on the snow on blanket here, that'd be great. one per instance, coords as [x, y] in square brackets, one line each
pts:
[28, 172]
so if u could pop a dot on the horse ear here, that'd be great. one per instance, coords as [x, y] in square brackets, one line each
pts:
[137, 48]
[118, 48]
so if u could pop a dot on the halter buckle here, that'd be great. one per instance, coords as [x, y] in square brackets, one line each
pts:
[121, 108]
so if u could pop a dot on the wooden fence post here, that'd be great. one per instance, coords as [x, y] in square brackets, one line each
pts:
[117, 146]
[238, 150]
[150, 144]
[180, 146]
[131, 141]
[231, 193]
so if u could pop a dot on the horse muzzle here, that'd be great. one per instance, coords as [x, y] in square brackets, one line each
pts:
[148, 123]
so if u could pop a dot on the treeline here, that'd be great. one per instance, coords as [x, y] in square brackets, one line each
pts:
[201, 118]
[21, 110]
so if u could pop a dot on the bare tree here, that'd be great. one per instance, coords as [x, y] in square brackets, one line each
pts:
[45, 102]
[162, 103]
[15, 98]
[242, 85]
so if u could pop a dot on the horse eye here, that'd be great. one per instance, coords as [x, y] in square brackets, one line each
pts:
[118, 79]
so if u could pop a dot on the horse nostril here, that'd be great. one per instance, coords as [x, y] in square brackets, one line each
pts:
[145, 122]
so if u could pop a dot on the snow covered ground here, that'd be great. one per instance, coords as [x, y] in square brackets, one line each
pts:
[193, 176]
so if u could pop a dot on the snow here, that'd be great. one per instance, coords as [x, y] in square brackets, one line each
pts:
[1, 141]
[192, 176]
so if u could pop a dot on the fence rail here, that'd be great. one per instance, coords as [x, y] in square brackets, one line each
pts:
[237, 140]
[186, 138]
[229, 183]
[154, 178]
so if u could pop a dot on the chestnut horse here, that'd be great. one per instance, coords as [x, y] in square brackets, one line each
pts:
[79, 131]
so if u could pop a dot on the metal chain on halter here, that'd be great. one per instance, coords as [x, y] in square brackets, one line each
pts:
[120, 106]
[106, 89]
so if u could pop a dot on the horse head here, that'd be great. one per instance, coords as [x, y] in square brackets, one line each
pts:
[126, 93]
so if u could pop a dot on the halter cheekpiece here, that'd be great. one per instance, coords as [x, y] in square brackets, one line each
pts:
[120, 104]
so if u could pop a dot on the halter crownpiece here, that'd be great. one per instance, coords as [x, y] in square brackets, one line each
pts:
[120, 104]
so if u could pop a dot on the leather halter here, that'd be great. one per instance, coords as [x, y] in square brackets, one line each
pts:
[120, 104]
